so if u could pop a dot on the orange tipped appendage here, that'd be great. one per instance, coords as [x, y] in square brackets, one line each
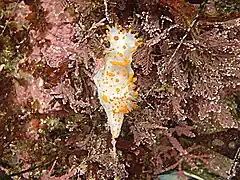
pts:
[123, 109]
[138, 43]
[136, 34]
[108, 27]
[133, 50]
[135, 93]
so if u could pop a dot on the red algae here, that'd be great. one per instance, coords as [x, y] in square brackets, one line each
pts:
[51, 122]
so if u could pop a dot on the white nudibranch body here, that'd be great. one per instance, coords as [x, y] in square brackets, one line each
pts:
[114, 80]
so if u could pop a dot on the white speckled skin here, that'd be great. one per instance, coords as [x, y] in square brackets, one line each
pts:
[114, 80]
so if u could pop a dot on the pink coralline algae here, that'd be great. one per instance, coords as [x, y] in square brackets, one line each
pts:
[54, 49]
[53, 42]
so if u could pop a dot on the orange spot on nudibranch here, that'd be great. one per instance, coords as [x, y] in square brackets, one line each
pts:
[124, 72]
[121, 54]
[118, 63]
[105, 98]
[111, 74]
[117, 80]
[115, 38]
[123, 63]
[118, 90]
[115, 63]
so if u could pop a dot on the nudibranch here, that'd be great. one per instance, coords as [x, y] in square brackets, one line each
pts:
[115, 79]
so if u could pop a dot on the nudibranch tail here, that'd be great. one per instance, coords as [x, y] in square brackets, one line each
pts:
[115, 80]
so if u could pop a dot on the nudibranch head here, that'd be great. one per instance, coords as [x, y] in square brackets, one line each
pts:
[121, 40]
[115, 80]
